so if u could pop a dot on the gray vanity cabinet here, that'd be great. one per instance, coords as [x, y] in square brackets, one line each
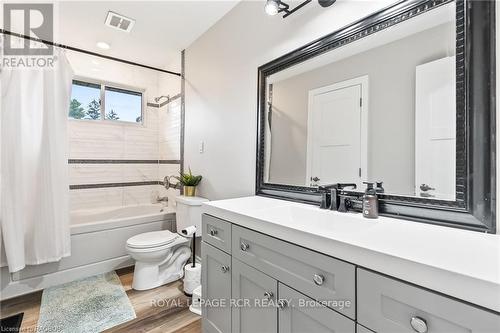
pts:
[386, 305]
[299, 314]
[300, 285]
[256, 293]
[316, 275]
[216, 287]
[268, 306]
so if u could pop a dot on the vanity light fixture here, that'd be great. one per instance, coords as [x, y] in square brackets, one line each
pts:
[274, 7]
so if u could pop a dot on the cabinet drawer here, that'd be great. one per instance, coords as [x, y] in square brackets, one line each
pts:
[321, 277]
[302, 314]
[216, 232]
[388, 305]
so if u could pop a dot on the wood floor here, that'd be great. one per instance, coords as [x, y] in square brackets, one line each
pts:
[160, 310]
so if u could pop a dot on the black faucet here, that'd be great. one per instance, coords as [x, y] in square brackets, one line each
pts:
[330, 195]
[344, 205]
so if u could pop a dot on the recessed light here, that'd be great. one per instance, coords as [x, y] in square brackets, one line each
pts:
[103, 45]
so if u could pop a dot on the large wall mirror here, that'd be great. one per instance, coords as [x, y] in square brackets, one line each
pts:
[404, 97]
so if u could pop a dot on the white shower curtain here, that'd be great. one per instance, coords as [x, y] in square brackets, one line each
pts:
[34, 212]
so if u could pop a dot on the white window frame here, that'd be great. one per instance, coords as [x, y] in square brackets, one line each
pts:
[102, 96]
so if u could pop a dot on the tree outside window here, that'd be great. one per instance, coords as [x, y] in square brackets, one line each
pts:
[75, 109]
[123, 105]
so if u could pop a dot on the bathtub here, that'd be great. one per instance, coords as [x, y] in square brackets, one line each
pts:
[98, 239]
[88, 220]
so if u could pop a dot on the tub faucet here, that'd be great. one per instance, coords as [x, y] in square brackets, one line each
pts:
[162, 199]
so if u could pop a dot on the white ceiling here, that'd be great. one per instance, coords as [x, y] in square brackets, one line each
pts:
[162, 28]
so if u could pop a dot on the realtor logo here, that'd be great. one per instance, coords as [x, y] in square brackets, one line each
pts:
[33, 20]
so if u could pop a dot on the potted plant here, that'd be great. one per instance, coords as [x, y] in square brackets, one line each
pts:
[189, 182]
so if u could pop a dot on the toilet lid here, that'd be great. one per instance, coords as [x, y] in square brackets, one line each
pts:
[151, 239]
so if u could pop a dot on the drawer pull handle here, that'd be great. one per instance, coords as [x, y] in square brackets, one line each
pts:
[282, 304]
[318, 279]
[268, 295]
[224, 269]
[244, 246]
[213, 232]
[418, 324]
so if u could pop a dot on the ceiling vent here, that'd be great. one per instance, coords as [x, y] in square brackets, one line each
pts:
[119, 22]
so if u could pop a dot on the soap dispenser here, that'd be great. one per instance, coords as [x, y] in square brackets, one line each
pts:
[370, 201]
[379, 188]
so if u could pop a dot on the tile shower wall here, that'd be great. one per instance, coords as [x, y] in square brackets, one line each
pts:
[169, 119]
[121, 162]
[169, 122]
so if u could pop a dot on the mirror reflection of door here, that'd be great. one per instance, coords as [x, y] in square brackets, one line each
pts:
[337, 132]
[435, 134]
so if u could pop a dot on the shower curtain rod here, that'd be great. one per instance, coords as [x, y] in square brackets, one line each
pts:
[71, 48]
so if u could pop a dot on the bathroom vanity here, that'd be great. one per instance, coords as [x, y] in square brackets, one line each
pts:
[278, 266]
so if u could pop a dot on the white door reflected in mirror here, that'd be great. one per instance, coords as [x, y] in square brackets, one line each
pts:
[347, 142]
[435, 129]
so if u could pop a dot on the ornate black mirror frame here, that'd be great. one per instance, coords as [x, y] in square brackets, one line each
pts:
[475, 204]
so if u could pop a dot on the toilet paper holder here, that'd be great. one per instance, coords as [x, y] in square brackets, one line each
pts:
[187, 232]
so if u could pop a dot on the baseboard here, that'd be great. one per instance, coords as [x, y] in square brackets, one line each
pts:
[26, 286]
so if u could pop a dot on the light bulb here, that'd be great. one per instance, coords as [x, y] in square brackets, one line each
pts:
[272, 7]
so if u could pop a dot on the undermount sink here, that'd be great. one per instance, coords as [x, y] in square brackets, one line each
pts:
[313, 219]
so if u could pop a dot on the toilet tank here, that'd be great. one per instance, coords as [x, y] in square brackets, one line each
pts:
[188, 212]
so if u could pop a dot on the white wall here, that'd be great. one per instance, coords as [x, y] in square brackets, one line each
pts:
[221, 85]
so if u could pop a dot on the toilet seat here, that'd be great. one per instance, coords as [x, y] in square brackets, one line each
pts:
[149, 240]
[149, 249]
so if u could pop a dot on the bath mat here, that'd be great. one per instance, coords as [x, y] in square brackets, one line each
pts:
[88, 305]
[12, 323]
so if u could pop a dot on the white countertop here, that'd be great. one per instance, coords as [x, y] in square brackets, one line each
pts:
[460, 263]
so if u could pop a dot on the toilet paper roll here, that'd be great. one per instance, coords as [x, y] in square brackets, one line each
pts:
[189, 231]
[195, 306]
[192, 278]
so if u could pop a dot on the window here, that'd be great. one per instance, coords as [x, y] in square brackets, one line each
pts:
[85, 101]
[124, 105]
[94, 101]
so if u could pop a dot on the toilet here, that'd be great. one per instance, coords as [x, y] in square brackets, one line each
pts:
[160, 256]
